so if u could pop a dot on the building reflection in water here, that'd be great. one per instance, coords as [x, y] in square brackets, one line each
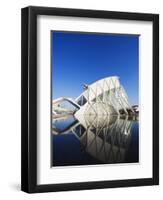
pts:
[94, 139]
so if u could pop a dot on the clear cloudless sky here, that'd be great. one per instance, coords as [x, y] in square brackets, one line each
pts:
[82, 58]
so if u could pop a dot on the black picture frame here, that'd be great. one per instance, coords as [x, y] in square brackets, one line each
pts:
[29, 98]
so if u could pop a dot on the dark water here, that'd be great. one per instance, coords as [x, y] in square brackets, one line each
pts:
[91, 140]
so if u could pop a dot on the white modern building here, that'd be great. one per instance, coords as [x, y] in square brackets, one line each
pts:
[105, 96]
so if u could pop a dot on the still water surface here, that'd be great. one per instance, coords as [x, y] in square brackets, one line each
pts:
[91, 140]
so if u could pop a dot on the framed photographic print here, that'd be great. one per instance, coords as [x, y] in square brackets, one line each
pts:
[90, 99]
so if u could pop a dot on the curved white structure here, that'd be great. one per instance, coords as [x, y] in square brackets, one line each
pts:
[105, 96]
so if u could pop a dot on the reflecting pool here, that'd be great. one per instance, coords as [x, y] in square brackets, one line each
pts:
[94, 139]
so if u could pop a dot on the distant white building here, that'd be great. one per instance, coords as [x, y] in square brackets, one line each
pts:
[135, 108]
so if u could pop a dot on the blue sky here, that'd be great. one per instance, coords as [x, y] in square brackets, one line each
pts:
[79, 59]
